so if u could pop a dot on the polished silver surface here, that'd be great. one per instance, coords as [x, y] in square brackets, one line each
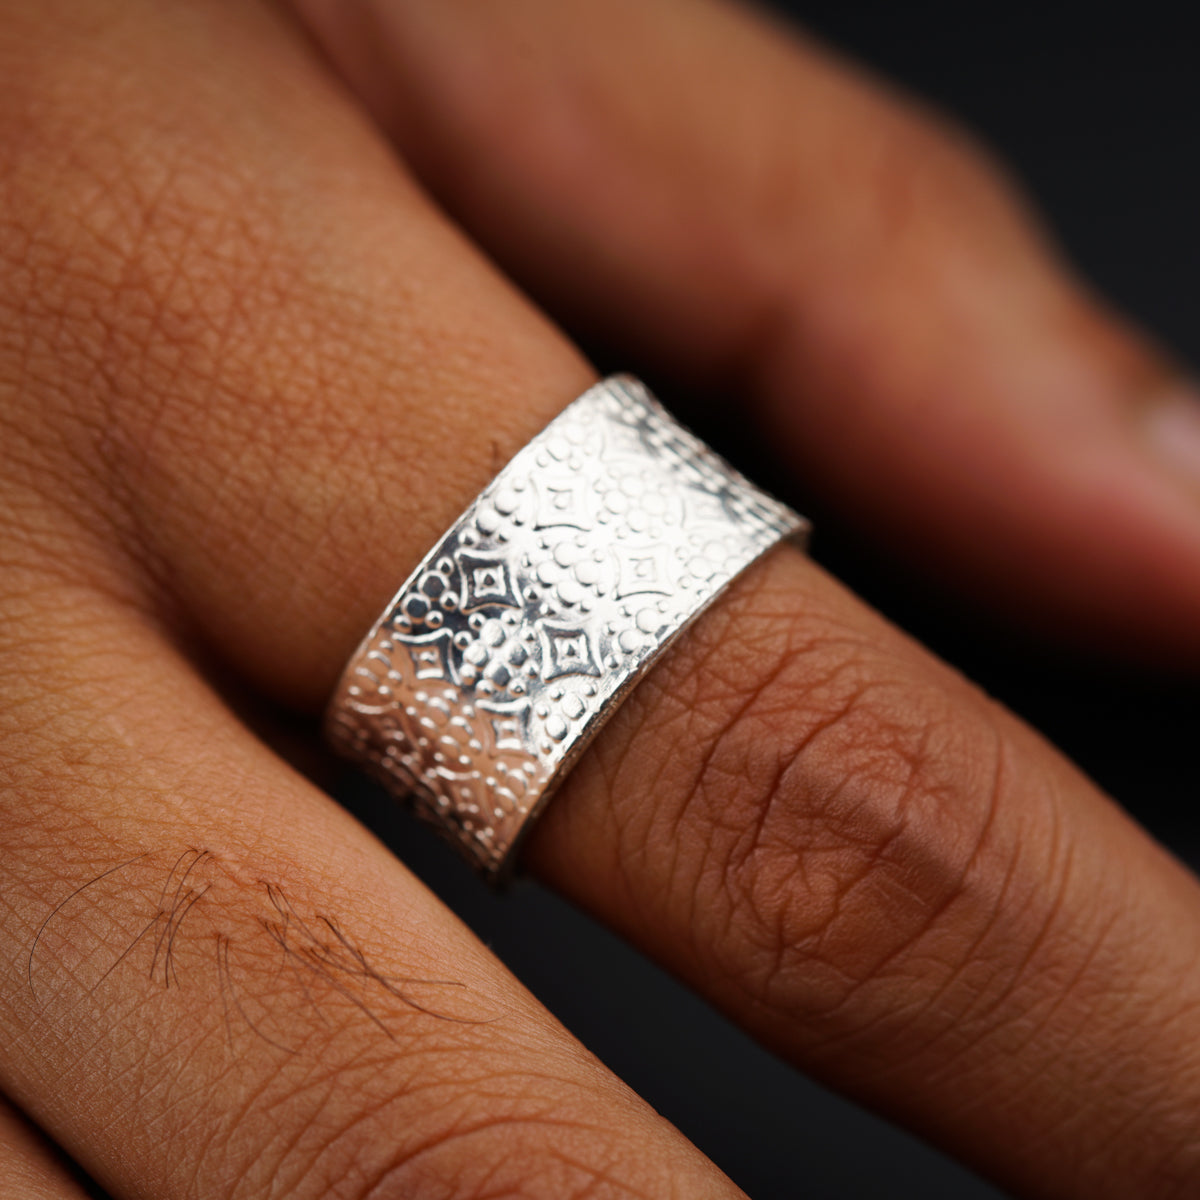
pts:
[521, 631]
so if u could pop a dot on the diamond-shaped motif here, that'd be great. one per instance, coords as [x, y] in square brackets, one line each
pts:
[563, 502]
[567, 652]
[430, 655]
[486, 580]
[642, 570]
[508, 730]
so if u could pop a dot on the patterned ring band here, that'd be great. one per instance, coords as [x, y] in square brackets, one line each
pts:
[525, 627]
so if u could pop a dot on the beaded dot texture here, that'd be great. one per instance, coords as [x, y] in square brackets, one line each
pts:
[522, 630]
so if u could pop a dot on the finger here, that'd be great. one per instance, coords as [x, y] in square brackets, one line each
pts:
[29, 1169]
[824, 830]
[214, 983]
[734, 203]
[217, 984]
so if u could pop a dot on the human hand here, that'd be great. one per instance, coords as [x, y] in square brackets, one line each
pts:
[236, 336]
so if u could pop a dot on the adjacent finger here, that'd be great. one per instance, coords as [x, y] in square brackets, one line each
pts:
[29, 1168]
[733, 202]
[826, 831]
[217, 984]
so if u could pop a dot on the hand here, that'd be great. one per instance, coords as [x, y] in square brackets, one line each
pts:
[237, 340]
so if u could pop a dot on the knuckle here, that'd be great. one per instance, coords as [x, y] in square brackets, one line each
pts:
[843, 817]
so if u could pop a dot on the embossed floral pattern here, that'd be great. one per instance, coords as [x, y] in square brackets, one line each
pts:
[515, 638]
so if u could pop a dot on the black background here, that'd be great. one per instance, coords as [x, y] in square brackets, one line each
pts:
[1096, 109]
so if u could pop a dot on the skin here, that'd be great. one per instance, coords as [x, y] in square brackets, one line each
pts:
[29, 1168]
[237, 333]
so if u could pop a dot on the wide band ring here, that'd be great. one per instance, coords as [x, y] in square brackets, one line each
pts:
[525, 627]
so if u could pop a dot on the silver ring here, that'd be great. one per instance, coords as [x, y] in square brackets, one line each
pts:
[525, 627]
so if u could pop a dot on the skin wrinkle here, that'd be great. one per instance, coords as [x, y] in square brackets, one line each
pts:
[132, 463]
[391, 1181]
[904, 1032]
[83, 461]
[131, 256]
[784, 707]
[931, 913]
[1060, 858]
[703, 655]
[338, 963]
[292, 1146]
[902, 1028]
[49, 515]
[246, 1109]
[342, 1141]
[986, 813]
[595, 1179]
[876, 852]
[756, 832]
[292, 1097]
[59, 907]
[992, 1100]
[1070, 994]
